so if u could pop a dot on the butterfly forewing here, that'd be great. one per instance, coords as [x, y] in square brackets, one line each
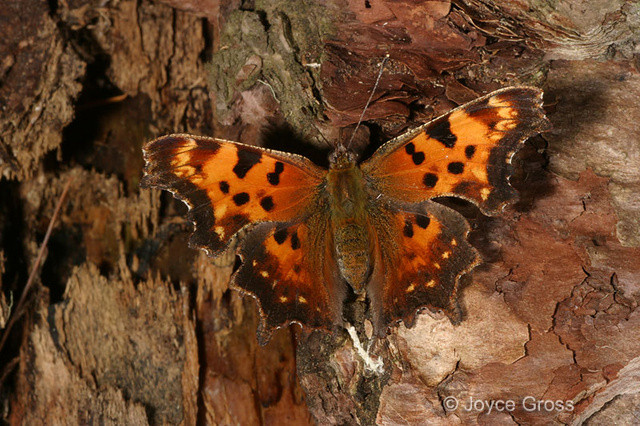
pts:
[466, 153]
[228, 185]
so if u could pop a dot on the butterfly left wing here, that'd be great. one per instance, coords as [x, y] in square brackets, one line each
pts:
[279, 199]
[465, 153]
[422, 251]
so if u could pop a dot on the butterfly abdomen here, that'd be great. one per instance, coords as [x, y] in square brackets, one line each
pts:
[353, 252]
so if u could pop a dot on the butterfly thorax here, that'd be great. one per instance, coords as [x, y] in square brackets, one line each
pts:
[347, 195]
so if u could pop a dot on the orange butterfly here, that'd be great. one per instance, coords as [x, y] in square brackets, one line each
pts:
[371, 226]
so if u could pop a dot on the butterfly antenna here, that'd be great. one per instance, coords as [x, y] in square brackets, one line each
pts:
[375, 86]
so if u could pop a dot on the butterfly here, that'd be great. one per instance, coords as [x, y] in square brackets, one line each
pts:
[311, 235]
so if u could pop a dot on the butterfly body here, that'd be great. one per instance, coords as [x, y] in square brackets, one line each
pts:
[348, 200]
[312, 233]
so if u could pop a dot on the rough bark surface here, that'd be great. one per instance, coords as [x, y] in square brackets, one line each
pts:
[128, 325]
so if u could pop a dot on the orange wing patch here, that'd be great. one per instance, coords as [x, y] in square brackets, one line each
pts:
[228, 185]
[291, 271]
[465, 153]
[420, 257]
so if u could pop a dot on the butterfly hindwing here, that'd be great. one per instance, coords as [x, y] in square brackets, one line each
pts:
[228, 185]
[465, 153]
[421, 249]
[291, 271]
[420, 255]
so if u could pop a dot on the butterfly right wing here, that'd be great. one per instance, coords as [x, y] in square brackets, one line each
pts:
[279, 198]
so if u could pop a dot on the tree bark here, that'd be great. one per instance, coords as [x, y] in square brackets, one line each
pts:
[128, 325]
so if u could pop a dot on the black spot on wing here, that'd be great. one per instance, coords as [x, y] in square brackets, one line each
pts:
[295, 241]
[246, 160]
[280, 236]
[274, 177]
[408, 229]
[422, 221]
[241, 198]
[470, 151]
[410, 148]
[267, 203]
[416, 156]
[429, 180]
[455, 168]
[441, 131]
[224, 187]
